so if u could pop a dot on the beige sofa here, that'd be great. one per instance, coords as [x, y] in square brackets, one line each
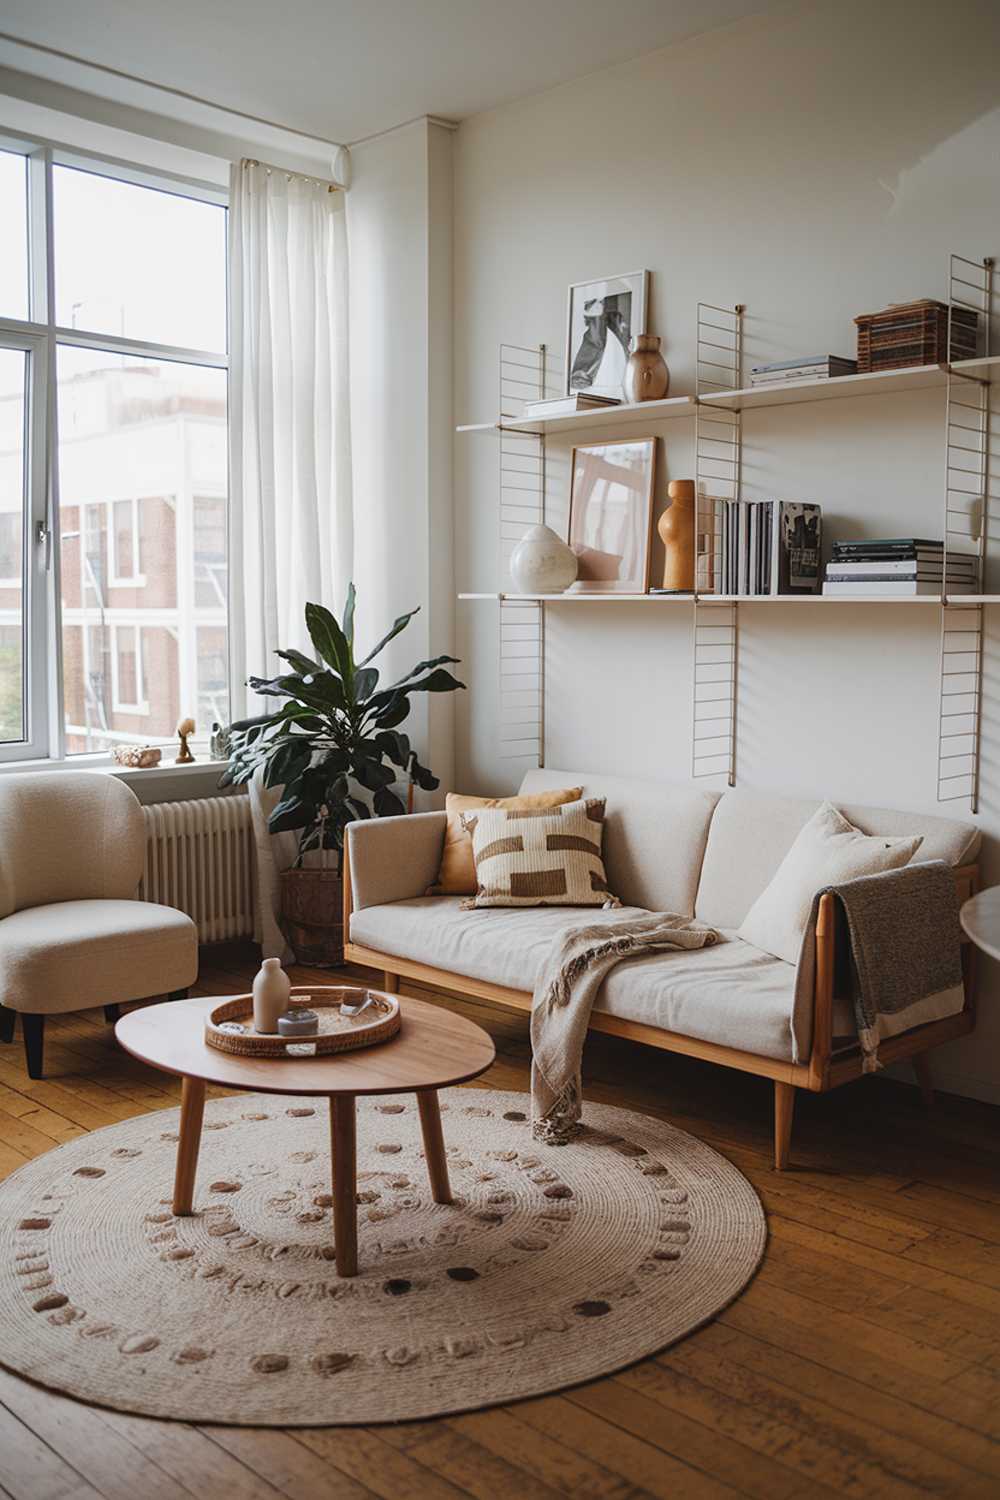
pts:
[667, 848]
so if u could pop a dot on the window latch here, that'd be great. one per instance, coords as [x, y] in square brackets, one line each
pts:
[43, 538]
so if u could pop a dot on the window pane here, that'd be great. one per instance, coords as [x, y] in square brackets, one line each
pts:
[138, 262]
[13, 473]
[142, 484]
[14, 238]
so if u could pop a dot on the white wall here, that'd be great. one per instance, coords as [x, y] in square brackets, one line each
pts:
[815, 162]
[399, 228]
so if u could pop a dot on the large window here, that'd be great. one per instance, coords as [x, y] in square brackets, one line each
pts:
[113, 451]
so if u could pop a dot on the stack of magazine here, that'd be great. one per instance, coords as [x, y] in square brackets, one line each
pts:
[759, 547]
[897, 567]
[565, 406]
[806, 367]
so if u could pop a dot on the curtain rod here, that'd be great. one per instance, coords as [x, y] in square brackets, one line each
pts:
[251, 161]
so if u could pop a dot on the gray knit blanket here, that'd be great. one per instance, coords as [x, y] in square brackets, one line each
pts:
[574, 970]
[904, 950]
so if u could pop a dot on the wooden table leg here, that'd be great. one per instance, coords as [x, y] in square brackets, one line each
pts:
[343, 1143]
[437, 1164]
[192, 1110]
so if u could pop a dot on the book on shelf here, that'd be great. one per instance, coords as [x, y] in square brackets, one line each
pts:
[757, 547]
[893, 567]
[896, 587]
[924, 575]
[565, 406]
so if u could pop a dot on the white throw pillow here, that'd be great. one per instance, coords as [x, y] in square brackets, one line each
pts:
[827, 851]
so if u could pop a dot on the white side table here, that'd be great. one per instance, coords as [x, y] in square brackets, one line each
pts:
[980, 919]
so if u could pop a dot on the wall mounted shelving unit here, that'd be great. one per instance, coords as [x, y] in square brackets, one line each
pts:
[527, 373]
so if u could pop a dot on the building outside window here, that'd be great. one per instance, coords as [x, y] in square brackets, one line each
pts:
[117, 309]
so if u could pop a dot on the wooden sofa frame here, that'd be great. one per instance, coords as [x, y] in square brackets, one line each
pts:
[825, 1069]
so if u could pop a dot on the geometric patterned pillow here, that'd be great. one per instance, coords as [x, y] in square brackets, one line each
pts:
[539, 856]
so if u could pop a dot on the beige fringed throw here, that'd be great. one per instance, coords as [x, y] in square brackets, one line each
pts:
[564, 997]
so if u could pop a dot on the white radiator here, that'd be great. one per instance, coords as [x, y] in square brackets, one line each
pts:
[200, 859]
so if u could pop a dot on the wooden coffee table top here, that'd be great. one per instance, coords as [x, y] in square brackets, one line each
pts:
[433, 1048]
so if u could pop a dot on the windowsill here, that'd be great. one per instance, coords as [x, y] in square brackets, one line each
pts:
[150, 783]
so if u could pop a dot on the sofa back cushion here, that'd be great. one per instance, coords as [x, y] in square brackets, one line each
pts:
[752, 831]
[654, 834]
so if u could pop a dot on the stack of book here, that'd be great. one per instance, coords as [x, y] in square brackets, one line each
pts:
[916, 333]
[565, 406]
[899, 566]
[807, 367]
[758, 547]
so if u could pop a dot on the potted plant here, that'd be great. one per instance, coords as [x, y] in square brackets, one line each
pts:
[335, 748]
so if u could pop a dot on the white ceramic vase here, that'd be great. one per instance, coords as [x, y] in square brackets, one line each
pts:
[272, 990]
[541, 563]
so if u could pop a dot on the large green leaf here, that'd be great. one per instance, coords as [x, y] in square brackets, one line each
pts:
[425, 666]
[394, 711]
[330, 641]
[303, 664]
[435, 682]
[387, 804]
[398, 625]
[349, 613]
[395, 746]
[425, 779]
[372, 774]
[365, 683]
[290, 813]
[288, 760]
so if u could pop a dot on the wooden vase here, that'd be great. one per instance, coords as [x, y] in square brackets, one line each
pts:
[676, 528]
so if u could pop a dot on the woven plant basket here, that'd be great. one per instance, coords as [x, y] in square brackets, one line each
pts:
[312, 916]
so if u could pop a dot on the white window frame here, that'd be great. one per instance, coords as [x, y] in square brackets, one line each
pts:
[39, 336]
[141, 706]
[116, 578]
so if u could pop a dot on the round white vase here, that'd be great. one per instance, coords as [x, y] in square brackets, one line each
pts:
[541, 563]
[272, 990]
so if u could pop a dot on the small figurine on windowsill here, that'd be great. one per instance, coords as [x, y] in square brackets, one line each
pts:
[184, 729]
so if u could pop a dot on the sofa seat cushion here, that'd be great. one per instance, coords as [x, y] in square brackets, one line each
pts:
[76, 954]
[730, 993]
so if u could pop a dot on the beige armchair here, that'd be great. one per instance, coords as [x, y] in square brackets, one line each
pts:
[72, 933]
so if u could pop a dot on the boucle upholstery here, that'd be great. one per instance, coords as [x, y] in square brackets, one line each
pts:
[72, 933]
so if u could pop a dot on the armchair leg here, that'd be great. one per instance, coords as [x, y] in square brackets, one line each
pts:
[7, 1019]
[784, 1110]
[33, 1029]
[112, 1013]
[922, 1068]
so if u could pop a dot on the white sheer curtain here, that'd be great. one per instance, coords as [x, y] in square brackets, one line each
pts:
[292, 528]
[290, 459]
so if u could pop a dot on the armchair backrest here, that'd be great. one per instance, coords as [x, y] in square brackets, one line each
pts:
[68, 836]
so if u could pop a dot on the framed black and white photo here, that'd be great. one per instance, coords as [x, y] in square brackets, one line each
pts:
[603, 317]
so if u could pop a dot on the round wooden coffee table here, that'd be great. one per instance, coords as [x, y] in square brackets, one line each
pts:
[433, 1049]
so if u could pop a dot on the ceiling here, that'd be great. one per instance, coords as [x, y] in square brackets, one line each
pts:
[346, 69]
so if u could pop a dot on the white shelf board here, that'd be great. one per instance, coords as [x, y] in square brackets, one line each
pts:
[839, 387]
[784, 393]
[604, 416]
[709, 599]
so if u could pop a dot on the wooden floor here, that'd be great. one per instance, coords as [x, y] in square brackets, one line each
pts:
[864, 1360]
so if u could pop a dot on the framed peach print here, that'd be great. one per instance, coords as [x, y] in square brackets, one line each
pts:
[611, 515]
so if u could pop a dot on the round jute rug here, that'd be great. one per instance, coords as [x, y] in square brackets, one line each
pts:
[553, 1266]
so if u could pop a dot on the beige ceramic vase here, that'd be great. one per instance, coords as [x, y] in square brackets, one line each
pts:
[646, 375]
[272, 989]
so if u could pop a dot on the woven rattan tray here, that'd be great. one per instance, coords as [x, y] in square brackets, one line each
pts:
[376, 1023]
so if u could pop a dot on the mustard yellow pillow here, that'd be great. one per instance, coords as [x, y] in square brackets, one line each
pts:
[457, 875]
